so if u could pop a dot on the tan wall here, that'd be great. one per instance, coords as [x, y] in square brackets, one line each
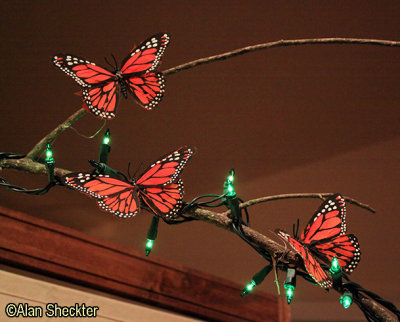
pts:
[17, 288]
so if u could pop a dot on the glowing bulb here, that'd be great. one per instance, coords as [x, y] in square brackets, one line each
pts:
[49, 153]
[335, 267]
[346, 299]
[249, 287]
[149, 246]
[289, 292]
[106, 139]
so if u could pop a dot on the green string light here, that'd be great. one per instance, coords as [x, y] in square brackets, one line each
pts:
[257, 279]
[346, 299]
[49, 153]
[152, 235]
[290, 284]
[289, 292]
[336, 272]
[149, 246]
[105, 148]
[335, 267]
[249, 287]
[229, 190]
[106, 139]
[49, 162]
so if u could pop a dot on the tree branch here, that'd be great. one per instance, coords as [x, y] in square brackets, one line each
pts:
[28, 165]
[53, 134]
[304, 195]
[280, 43]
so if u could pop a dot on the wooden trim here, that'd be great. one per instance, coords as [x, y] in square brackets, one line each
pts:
[53, 250]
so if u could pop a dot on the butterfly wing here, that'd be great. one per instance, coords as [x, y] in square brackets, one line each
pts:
[326, 236]
[85, 73]
[311, 264]
[146, 57]
[137, 69]
[166, 170]
[102, 101]
[329, 221]
[99, 85]
[148, 88]
[344, 247]
[113, 193]
[158, 187]
[164, 201]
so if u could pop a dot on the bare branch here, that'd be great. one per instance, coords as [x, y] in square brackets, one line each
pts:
[303, 195]
[280, 43]
[58, 130]
[28, 165]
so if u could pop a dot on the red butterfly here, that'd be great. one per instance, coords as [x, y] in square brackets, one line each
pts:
[325, 238]
[159, 187]
[136, 76]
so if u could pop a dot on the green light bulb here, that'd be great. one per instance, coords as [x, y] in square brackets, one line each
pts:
[346, 299]
[335, 267]
[249, 287]
[230, 178]
[149, 246]
[49, 153]
[106, 139]
[289, 292]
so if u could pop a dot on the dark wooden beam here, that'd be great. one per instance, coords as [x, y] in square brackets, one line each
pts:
[52, 250]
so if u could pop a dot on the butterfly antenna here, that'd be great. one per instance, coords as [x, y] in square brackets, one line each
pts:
[297, 229]
[137, 170]
[105, 58]
[115, 61]
[129, 168]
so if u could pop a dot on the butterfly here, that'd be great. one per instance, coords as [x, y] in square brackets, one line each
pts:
[325, 238]
[137, 76]
[159, 187]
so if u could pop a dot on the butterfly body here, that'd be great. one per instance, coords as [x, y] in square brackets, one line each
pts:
[122, 83]
[137, 76]
[159, 187]
[323, 239]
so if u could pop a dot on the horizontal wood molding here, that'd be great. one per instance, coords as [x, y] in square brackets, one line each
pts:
[53, 250]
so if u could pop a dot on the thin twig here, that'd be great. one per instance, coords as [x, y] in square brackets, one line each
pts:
[58, 130]
[280, 43]
[303, 195]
